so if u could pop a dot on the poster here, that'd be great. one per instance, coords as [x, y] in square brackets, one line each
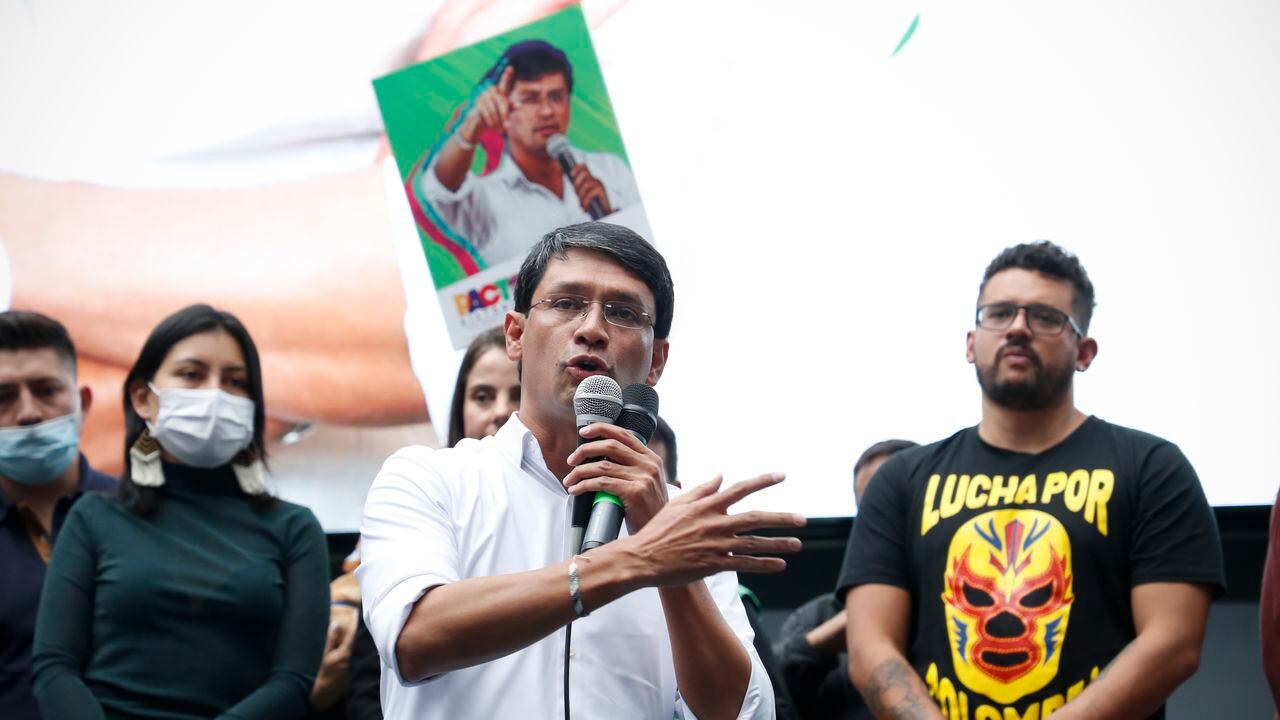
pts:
[498, 143]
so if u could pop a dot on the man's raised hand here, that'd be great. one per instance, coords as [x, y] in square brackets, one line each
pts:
[490, 109]
[695, 536]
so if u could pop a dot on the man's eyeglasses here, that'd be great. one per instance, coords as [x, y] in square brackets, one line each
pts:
[563, 308]
[1041, 319]
[557, 99]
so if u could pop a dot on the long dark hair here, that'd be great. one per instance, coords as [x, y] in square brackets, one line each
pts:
[483, 342]
[191, 320]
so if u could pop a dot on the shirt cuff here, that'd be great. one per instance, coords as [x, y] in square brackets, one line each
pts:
[757, 702]
[386, 619]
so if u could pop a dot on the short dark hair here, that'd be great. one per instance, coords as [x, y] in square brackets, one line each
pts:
[665, 435]
[26, 330]
[191, 320]
[883, 448]
[623, 245]
[1049, 259]
[531, 59]
[485, 341]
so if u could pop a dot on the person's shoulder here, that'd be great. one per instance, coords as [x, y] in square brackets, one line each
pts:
[455, 469]
[292, 520]
[97, 511]
[913, 458]
[91, 502]
[444, 462]
[1126, 439]
[293, 511]
[1130, 434]
[96, 481]
[99, 501]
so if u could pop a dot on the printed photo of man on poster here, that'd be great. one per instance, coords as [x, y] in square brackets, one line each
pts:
[497, 143]
[521, 117]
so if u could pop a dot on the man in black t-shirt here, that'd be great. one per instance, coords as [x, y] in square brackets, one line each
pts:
[1043, 561]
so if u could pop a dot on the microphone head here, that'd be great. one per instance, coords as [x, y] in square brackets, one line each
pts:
[639, 411]
[597, 399]
[558, 145]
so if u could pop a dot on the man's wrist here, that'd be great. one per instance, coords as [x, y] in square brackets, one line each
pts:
[575, 588]
[611, 571]
[463, 142]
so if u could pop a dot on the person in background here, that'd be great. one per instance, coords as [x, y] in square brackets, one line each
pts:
[486, 394]
[193, 593]
[42, 474]
[332, 685]
[487, 390]
[811, 652]
[1043, 561]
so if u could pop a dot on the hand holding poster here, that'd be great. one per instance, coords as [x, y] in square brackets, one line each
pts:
[479, 136]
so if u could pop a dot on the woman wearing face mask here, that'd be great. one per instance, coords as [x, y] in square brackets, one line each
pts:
[486, 393]
[193, 593]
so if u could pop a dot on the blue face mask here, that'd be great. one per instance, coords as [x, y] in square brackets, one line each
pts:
[39, 454]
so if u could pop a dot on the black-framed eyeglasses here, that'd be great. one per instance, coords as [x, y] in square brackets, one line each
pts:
[1041, 319]
[563, 308]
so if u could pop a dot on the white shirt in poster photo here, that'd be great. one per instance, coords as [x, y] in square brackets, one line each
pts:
[497, 212]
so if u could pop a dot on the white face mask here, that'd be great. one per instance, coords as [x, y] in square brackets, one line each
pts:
[203, 428]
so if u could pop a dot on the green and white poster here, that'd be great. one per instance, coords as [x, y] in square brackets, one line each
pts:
[497, 144]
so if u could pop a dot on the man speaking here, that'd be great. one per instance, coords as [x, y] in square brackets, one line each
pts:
[468, 573]
[540, 181]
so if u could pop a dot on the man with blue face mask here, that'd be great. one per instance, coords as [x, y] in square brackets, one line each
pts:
[41, 474]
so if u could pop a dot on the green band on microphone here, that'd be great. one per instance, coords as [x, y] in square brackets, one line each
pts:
[607, 497]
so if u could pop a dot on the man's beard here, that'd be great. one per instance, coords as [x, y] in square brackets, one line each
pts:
[1037, 393]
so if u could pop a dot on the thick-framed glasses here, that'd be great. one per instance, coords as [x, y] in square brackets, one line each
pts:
[1041, 319]
[563, 308]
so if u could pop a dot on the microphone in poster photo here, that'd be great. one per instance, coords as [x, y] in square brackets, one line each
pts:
[558, 148]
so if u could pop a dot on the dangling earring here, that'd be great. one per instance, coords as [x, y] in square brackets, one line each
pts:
[249, 473]
[144, 461]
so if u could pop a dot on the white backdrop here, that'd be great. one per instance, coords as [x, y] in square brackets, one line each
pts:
[850, 201]
[827, 208]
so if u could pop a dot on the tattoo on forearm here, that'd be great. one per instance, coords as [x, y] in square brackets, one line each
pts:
[893, 691]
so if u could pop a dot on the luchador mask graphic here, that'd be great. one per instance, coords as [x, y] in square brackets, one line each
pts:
[1007, 598]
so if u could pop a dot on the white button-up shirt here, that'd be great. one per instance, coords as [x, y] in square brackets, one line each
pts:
[503, 213]
[491, 507]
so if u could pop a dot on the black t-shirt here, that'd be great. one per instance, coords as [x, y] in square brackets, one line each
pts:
[1020, 566]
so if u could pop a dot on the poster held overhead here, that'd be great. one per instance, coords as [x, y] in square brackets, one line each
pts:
[483, 170]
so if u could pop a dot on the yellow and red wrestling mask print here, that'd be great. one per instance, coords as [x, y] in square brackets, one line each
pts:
[1007, 598]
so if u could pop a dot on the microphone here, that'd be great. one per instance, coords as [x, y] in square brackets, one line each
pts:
[640, 416]
[597, 399]
[558, 148]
